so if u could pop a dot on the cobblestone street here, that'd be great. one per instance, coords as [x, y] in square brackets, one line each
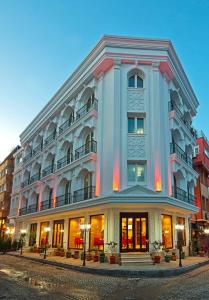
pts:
[23, 279]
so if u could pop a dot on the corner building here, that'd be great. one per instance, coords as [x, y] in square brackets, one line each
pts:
[112, 148]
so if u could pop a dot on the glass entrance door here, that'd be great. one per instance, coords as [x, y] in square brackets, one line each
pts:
[134, 232]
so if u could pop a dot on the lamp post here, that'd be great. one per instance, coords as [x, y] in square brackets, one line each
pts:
[22, 235]
[85, 228]
[46, 229]
[206, 231]
[179, 228]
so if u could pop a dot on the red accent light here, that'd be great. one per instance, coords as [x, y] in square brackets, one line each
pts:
[158, 181]
[116, 178]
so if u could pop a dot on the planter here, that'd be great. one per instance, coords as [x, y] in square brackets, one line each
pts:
[157, 259]
[201, 253]
[112, 259]
[68, 254]
[95, 258]
[173, 257]
[76, 254]
[167, 258]
[89, 257]
[62, 254]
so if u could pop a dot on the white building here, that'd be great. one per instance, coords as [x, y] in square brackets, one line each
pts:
[112, 148]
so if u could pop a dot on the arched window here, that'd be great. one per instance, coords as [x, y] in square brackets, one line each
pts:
[135, 81]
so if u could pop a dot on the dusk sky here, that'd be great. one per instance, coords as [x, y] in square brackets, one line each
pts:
[41, 43]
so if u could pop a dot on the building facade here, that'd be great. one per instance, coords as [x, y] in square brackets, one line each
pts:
[6, 178]
[112, 148]
[200, 221]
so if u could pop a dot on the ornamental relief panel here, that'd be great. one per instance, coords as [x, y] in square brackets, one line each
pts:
[136, 147]
[136, 100]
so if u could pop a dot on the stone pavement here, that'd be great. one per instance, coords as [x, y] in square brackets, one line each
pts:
[158, 270]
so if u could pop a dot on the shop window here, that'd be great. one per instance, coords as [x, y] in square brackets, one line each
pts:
[181, 234]
[75, 233]
[58, 233]
[32, 238]
[167, 236]
[44, 236]
[97, 232]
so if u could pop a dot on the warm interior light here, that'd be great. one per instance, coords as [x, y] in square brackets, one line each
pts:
[47, 229]
[23, 231]
[179, 226]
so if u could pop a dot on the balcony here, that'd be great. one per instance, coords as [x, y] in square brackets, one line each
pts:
[46, 204]
[183, 196]
[49, 139]
[37, 149]
[84, 194]
[66, 160]
[34, 178]
[32, 208]
[48, 170]
[25, 183]
[91, 146]
[180, 115]
[23, 211]
[175, 149]
[66, 125]
[86, 108]
[63, 200]
[27, 157]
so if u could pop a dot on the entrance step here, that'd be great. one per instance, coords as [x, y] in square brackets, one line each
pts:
[136, 258]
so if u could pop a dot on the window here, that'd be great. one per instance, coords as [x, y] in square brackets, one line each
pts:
[136, 125]
[135, 81]
[167, 236]
[33, 230]
[58, 233]
[97, 232]
[44, 236]
[136, 172]
[75, 233]
[181, 234]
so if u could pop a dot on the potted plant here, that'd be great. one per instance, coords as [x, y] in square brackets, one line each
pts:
[112, 248]
[167, 256]
[173, 256]
[102, 257]
[89, 256]
[76, 254]
[95, 255]
[156, 257]
[68, 254]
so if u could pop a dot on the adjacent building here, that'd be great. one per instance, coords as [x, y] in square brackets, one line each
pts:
[113, 148]
[6, 176]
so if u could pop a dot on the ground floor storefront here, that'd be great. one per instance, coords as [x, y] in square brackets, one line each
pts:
[133, 227]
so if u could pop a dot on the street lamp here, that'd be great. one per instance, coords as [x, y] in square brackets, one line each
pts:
[22, 235]
[85, 228]
[206, 231]
[46, 229]
[179, 228]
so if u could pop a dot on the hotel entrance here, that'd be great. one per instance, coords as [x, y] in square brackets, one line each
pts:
[134, 232]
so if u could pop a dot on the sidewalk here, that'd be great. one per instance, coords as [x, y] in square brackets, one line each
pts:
[158, 270]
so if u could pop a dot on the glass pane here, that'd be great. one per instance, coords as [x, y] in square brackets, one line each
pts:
[131, 81]
[140, 173]
[143, 233]
[140, 126]
[130, 233]
[43, 234]
[167, 236]
[124, 233]
[137, 233]
[131, 125]
[97, 232]
[131, 173]
[75, 238]
[139, 82]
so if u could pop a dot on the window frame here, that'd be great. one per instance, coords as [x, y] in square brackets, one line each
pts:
[136, 118]
[136, 163]
[135, 75]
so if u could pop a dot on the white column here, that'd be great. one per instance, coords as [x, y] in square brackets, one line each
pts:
[66, 233]
[38, 233]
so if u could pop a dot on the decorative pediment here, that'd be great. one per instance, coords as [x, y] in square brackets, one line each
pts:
[137, 190]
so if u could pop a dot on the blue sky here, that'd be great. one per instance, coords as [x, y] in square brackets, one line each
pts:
[42, 41]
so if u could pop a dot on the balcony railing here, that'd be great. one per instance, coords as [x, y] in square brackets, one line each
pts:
[27, 157]
[86, 108]
[35, 177]
[64, 161]
[48, 170]
[84, 194]
[49, 139]
[25, 183]
[37, 149]
[91, 146]
[23, 211]
[46, 204]
[172, 106]
[32, 208]
[183, 195]
[175, 149]
[63, 200]
[66, 125]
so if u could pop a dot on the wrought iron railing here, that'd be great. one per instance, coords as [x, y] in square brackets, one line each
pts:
[32, 208]
[46, 204]
[86, 108]
[64, 161]
[174, 148]
[27, 157]
[63, 200]
[25, 183]
[37, 149]
[50, 138]
[183, 196]
[84, 194]
[35, 177]
[66, 125]
[23, 211]
[91, 146]
[48, 170]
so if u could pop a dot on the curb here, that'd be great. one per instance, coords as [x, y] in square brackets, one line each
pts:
[118, 273]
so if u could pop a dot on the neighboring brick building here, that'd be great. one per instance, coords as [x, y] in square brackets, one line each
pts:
[6, 178]
[200, 221]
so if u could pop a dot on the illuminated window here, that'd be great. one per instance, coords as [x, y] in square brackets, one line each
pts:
[58, 233]
[33, 230]
[181, 234]
[167, 234]
[44, 236]
[75, 233]
[136, 172]
[97, 232]
[136, 125]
